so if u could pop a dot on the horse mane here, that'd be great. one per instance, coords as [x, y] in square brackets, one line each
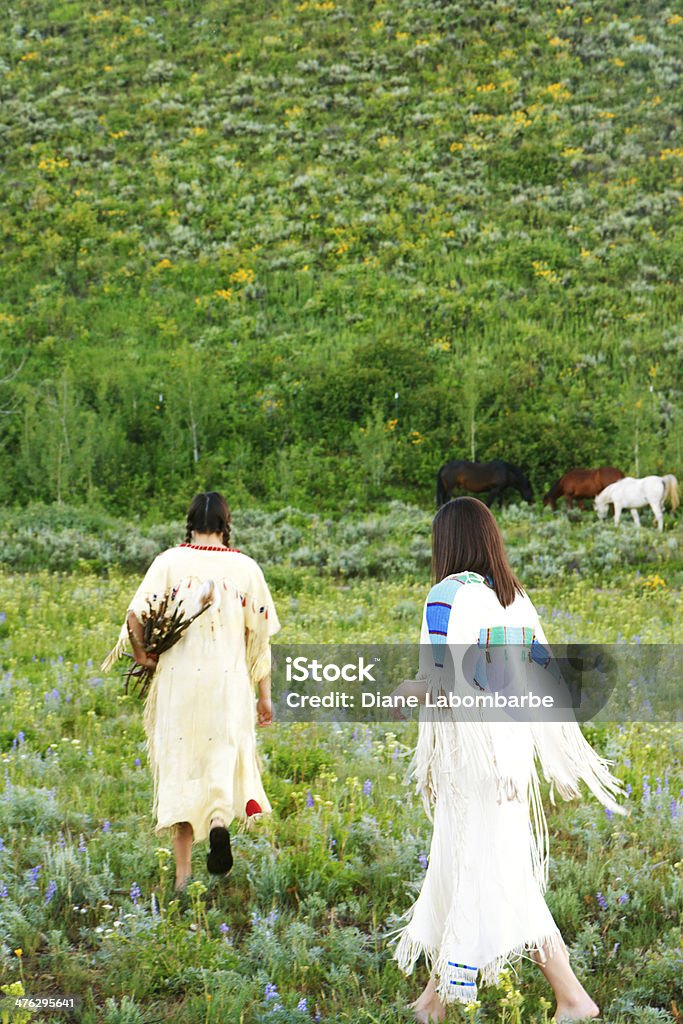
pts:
[516, 471]
[554, 490]
[606, 492]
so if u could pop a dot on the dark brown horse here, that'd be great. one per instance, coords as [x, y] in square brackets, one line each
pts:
[581, 483]
[493, 477]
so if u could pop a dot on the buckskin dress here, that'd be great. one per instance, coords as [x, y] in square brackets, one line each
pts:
[481, 904]
[200, 712]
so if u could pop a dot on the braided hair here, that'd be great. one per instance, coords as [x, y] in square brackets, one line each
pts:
[208, 513]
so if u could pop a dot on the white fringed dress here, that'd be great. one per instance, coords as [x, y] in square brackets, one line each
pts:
[200, 714]
[481, 905]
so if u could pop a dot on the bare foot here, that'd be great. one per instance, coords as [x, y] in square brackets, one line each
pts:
[583, 1009]
[428, 1007]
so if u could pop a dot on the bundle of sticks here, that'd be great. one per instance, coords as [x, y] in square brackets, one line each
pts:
[161, 630]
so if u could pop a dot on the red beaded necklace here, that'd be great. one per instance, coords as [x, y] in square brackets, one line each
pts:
[207, 547]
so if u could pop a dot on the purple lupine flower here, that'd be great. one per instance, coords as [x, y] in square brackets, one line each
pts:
[34, 873]
[629, 789]
[50, 891]
[310, 802]
[61, 841]
[302, 1005]
[21, 737]
[367, 787]
[3, 616]
[81, 843]
[646, 789]
[270, 991]
[623, 898]
[135, 892]
[225, 928]
[659, 786]
[602, 902]
[608, 813]
[2, 844]
[673, 809]
[3, 891]
[106, 825]
[423, 860]
[136, 762]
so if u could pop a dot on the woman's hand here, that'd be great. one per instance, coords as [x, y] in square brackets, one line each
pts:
[143, 658]
[264, 710]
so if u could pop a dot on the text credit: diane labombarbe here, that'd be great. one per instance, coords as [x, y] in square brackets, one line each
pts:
[386, 682]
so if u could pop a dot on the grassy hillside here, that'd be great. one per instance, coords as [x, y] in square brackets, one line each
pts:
[313, 249]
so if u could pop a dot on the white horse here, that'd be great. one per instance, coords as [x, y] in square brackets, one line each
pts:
[633, 493]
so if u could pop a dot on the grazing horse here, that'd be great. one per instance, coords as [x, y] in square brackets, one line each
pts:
[633, 493]
[580, 484]
[493, 477]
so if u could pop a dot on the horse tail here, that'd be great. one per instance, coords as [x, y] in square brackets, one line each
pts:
[441, 493]
[671, 490]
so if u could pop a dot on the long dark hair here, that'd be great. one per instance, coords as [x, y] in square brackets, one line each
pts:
[208, 513]
[465, 536]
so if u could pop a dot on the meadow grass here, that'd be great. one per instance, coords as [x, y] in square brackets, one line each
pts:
[297, 932]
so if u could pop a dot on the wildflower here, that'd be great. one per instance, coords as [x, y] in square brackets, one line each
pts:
[423, 860]
[106, 825]
[135, 892]
[302, 1005]
[3, 891]
[50, 891]
[2, 845]
[136, 762]
[623, 898]
[81, 843]
[367, 787]
[271, 991]
[608, 813]
[310, 802]
[225, 928]
[61, 841]
[602, 902]
[673, 809]
[35, 872]
[629, 789]
[19, 952]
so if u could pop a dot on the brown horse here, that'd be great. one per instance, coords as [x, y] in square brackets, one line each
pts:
[581, 483]
[493, 477]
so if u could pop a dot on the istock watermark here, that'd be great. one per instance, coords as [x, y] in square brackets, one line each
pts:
[497, 682]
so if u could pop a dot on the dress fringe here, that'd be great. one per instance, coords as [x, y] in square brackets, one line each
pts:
[116, 652]
[456, 982]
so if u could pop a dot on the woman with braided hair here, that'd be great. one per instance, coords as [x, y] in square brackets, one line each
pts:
[200, 714]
